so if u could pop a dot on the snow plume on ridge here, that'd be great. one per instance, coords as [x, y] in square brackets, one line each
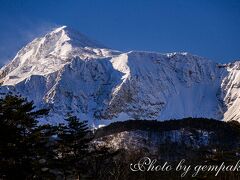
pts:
[18, 35]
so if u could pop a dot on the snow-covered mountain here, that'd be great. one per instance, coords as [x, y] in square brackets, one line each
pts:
[67, 72]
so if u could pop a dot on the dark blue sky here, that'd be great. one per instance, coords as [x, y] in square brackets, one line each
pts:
[209, 28]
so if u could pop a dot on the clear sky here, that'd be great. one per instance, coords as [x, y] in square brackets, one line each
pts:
[209, 28]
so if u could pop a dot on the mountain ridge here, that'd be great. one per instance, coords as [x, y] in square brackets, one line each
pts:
[66, 72]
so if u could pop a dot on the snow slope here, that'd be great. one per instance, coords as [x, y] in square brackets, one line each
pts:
[67, 72]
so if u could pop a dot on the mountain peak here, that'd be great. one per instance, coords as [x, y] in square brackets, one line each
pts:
[50, 53]
[67, 72]
[75, 38]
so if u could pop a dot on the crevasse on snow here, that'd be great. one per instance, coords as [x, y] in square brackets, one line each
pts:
[67, 72]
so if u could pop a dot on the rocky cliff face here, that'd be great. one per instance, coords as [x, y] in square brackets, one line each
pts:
[67, 72]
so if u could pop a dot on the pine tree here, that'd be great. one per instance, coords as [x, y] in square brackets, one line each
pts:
[17, 124]
[46, 152]
[74, 145]
[30, 151]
